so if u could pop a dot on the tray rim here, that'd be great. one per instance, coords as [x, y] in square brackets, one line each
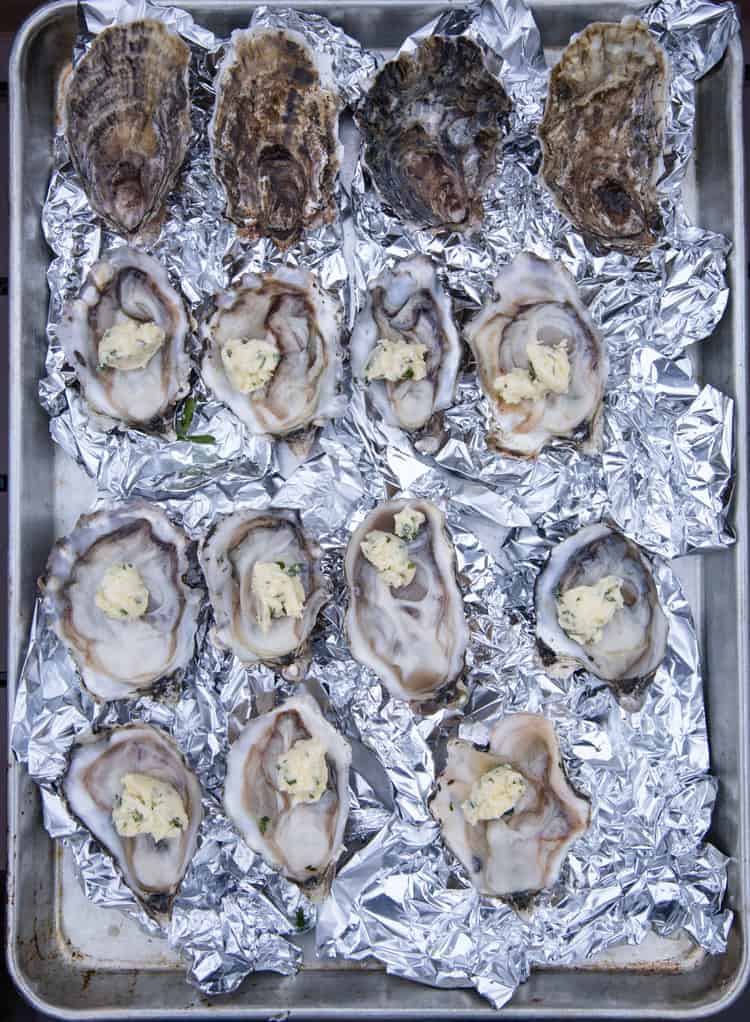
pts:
[738, 290]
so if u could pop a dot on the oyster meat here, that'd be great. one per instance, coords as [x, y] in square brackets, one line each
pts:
[405, 345]
[133, 790]
[542, 363]
[406, 619]
[432, 121]
[602, 134]
[287, 791]
[125, 336]
[509, 814]
[597, 608]
[264, 583]
[117, 597]
[127, 120]
[272, 352]
[274, 134]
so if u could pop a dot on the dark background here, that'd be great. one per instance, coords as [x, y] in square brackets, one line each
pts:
[12, 13]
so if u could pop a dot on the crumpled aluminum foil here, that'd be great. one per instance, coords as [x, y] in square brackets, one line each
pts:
[650, 310]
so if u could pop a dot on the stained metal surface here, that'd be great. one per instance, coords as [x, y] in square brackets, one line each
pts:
[53, 941]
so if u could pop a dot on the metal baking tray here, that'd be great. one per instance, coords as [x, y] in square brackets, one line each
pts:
[74, 960]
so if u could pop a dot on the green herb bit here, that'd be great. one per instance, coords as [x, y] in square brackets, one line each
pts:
[137, 817]
[300, 919]
[532, 372]
[294, 569]
[409, 374]
[263, 823]
[177, 823]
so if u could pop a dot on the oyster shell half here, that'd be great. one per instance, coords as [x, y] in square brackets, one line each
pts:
[542, 363]
[127, 120]
[93, 788]
[597, 608]
[274, 134]
[290, 801]
[125, 335]
[603, 134]
[432, 121]
[406, 305]
[517, 843]
[410, 630]
[117, 597]
[293, 326]
[233, 556]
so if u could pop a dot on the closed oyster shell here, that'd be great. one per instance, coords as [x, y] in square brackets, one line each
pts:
[603, 134]
[414, 637]
[432, 121]
[127, 285]
[407, 303]
[118, 659]
[536, 300]
[274, 134]
[127, 120]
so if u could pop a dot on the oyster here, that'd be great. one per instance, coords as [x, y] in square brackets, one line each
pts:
[432, 122]
[407, 325]
[597, 608]
[264, 583]
[133, 790]
[603, 134]
[406, 615]
[512, 835]
[272, 352]
[127, 120]
[125, 337]
[287, 791]
[274, 134]
[542, 362]
[117, 597]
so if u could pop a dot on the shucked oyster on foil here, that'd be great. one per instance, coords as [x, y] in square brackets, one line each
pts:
[597, 608]
[274, 134]
[509, 814]
[287, 791]
[125, 335]
[541, 360]
[405, 346]
[264, 582]
[133, 790]
[603, 134]
[405, 618]
[272, 352]
[433, 121]
[118, 598]
[127, 120]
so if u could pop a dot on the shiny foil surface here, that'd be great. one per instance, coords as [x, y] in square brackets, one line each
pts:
[663, 477]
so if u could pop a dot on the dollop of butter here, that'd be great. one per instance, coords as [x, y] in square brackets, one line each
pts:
[278, 590]
[408, 522]
[130, 345]
[548, 373]
[122, 594]
[148, 805]
[494, 794]
[585, 611]
[249, 362]
[302, 772]
[390, 555]
[397, 360]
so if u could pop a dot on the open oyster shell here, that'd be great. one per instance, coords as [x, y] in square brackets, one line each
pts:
[602, 134]
[153, 870]
[127, 286]
[407, 303]
[634, 642]
[522, 851]
[118, 659]
[228, 555]
[537, 301]
[127, 120]
[274, 134]
[413, 637]
[302, 840]
[289, 309]
[432, 122]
